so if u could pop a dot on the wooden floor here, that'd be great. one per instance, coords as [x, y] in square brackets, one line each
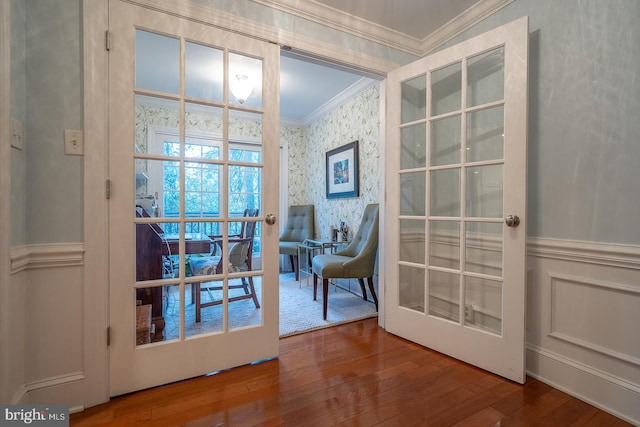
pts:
[354, 374]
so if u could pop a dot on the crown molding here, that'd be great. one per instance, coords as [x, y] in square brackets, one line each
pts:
[209, 15]
[344, 96]
[461, 23]
[354, 25]
[341, 21]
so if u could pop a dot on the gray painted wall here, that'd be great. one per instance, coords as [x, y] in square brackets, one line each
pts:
[583, 149]
[584, 98]
[18, 111]
[48, 182]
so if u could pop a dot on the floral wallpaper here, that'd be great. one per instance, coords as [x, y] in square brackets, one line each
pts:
[296, 139]
[358, 119]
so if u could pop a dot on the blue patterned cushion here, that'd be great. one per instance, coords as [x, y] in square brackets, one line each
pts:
[203, 266]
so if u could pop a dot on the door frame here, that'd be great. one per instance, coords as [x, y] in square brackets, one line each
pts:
[95, 21]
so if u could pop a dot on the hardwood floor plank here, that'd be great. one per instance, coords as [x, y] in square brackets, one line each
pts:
[352, 374]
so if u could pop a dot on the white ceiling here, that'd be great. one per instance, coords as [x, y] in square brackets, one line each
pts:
[415, 18]
[309, 88]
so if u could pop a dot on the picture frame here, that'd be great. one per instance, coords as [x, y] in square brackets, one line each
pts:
[342, 171]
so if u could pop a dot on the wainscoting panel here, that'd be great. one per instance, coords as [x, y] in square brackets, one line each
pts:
[582, 321]
[51, 278]
[597, 311]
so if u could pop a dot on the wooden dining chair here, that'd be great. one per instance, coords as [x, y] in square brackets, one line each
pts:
[239, 257]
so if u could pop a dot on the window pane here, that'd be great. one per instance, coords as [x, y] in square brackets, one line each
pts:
[157, 187]
[156, 248]
[154, 52]
[412, 241]
[245, 80]
[485, 75]
[157, 314]
[153, 117]
[445, 192]
[444, 295]
[412, 193]
[202, 190]
[411, 288]
[484, 248]
[483, 304]
[243, 126]
[245, 189]
[413, 143]
[484, 191]
[444, 244]
[485, 135]
[414, 99]
[203, 314]
[201, 123]
[204, 72]
[445, 141]
[446, 89]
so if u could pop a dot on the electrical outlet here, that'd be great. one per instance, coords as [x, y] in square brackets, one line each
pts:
[468, 313]
[17, 134]
[73, 142]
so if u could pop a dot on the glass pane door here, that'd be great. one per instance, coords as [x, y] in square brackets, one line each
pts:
[459, 172]
[190, 182]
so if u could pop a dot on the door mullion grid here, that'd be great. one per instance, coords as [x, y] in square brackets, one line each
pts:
[181, 216]
[463, 189]
[224, 191]
[427, 198]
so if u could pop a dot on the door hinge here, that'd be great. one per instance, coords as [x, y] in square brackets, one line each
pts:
[108, 189]
[108, 336]
[107, 40]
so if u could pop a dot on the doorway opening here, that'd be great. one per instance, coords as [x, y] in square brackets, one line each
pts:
[314, 95]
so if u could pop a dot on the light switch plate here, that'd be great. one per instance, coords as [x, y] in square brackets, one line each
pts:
[73, 142]
[17, 134]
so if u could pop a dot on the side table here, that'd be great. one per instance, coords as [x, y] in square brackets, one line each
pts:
[306, 251]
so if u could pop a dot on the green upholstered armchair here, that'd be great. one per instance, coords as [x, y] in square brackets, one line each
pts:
[357, 260]
[300, 226]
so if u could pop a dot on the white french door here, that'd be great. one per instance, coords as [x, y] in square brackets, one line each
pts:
[174, 197]
[456, 191]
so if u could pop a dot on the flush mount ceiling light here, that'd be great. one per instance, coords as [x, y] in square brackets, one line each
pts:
[241, 87]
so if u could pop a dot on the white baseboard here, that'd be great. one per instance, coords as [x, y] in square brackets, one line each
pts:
[611, 394]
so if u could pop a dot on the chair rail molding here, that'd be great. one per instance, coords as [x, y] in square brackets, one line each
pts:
[46, 256]
[606, 254]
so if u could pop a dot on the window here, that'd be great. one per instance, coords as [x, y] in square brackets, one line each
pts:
[202, 182]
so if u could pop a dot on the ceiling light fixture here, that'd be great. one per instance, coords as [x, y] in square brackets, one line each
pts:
[241, 87]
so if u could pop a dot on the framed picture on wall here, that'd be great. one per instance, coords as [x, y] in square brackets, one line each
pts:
[342, 171]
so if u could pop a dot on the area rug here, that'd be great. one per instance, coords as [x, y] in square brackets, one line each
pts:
[300, 313]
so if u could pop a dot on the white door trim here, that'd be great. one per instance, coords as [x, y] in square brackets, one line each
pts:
[96, 218]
